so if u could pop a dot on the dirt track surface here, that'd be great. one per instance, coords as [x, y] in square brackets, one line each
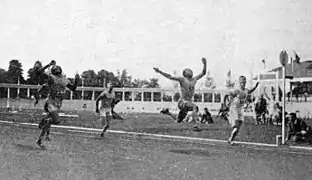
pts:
[86, 156]
[159, 124]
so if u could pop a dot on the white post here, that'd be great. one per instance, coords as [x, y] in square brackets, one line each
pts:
[152, 96]
[284, 106]
[82, 94]
[202, 97]
[18, 89]
[82, 89]
[28, 92]
[259, 80]
[283, 60]
[276, 86]
[93, 95]
[8, 98]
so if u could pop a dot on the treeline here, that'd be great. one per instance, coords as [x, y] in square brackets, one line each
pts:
[88, 78]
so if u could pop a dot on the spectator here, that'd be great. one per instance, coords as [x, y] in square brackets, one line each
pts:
[276, 114]
[223, 112]
[261, 110]
[206, 117]
[298, 130]
[305, 97]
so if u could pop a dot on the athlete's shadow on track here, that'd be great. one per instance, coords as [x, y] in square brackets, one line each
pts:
[168, 129]
[28, 147]
[193, 152]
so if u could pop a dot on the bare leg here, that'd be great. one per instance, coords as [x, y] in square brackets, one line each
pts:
[48, 135]
[181, 116]
[45, 125]
[105, 124]
[167, 112]
[235, 131]
[44, 130]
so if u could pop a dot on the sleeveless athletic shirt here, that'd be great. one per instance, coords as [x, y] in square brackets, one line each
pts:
[239, 98]
[107, 99]
[58, 86]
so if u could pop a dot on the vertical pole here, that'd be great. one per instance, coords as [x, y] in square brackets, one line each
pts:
[284, 106]
[277, 86]
[291, 92]
[18, 89]
[202, 96]
[251, 76]
[152, 96]
[8, 98]
[28, 92]
[93, 95]
[82, 89]
[259, 80]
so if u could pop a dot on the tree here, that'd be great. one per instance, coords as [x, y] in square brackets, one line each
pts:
[3, 76]
[15, 72]
[125, 79]
[153, 83]
[89, 78]
[229, 83]
[33, 78]
[137, 83]
[102, 78]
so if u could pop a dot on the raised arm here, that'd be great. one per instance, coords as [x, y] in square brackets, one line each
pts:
[42, 69]
[168, 76]
[253, 89]
[52, 63]
[73, 87]
[203, 73]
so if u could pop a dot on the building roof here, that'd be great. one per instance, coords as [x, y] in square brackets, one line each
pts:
[300, 70]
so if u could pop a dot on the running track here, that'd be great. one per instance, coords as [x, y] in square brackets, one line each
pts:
[80, 155]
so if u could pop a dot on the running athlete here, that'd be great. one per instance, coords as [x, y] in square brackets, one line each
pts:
[57, 84]
[38, 73]
[187, 84]
[107, 97]
[236, 100]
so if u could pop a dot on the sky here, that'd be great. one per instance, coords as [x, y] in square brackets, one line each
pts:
[138, 35]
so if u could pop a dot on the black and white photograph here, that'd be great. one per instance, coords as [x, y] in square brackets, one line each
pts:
[155, 89]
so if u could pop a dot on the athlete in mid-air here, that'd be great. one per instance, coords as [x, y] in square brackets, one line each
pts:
[38, 75]
[187, 85]
[107, 98]
[236, 99]
[57, 84]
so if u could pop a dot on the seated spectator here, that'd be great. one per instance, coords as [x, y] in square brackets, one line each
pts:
[261, 110]
[298, 130]
[223, 112]
[276, 113]
[206, 117]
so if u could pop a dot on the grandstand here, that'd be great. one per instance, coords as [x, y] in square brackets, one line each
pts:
[138, 100]
[148, 100]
